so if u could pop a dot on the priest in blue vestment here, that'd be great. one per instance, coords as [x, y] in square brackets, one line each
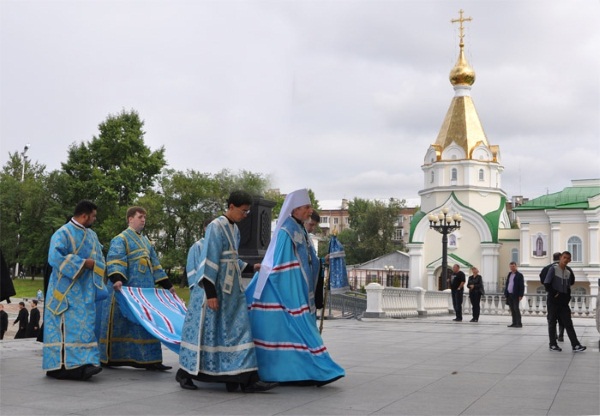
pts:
[216, 340]
[70, 344]
[133, 262]
[281, 300]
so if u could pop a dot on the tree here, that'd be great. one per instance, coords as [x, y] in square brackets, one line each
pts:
[372, 226]
[112, 170]
[27, 210]
[184, 201]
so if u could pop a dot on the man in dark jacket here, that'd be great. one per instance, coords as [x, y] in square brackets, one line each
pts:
[514, 291]
[558, 285]
[22, 319]
[543, 273]
[34, 320]
[457, 285]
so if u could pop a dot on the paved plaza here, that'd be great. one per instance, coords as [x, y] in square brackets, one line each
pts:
[420, 366]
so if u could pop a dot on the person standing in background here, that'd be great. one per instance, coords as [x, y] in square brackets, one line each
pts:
[34, 320]
[475, 285]
[514, 291]
[457, 287]
[22, 320]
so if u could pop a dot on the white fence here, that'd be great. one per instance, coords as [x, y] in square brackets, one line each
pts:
[404, 303]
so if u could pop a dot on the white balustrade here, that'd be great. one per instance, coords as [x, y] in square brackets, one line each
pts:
[404, 303]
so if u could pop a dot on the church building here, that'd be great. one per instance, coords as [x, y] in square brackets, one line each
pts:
[462, 175]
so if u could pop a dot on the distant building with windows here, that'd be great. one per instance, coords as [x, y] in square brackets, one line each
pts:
[335, 218]
[566, 220]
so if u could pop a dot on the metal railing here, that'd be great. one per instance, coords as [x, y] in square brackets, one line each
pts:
[350, 304]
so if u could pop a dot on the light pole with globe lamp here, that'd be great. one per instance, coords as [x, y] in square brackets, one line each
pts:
[445, 227]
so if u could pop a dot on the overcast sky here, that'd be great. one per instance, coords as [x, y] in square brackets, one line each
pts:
[343, 97]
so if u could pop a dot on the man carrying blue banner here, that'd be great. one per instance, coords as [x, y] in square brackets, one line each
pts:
[132, 262]
[70, 345]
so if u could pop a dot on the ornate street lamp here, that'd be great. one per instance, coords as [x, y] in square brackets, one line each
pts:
[389, 271]
[445, 227]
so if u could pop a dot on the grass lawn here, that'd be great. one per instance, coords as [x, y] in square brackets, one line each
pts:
[27, 288]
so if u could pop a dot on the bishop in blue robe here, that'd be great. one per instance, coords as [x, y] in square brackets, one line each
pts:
[281, 300]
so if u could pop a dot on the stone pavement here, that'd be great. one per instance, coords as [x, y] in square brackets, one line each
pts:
[420, 366]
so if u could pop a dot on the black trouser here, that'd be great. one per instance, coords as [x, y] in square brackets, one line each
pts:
[559, 311]
[457, 300]
[513, 305]
[475, 298]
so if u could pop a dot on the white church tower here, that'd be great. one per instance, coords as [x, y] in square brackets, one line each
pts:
[462, 174]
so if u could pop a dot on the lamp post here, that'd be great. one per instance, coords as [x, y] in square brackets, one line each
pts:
[446, 225]
[23, 162]
[389, 273]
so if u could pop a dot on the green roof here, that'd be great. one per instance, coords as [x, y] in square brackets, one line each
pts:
[569, 198]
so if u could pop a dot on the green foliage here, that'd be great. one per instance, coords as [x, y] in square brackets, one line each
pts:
[28, 211]
[372, 229]
[113, 170]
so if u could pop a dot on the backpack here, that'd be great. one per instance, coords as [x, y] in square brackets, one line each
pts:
[544, 272]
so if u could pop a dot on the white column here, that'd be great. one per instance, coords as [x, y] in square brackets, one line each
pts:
[555, 240]
[593, 238]
[525, 244]
[417, 276]
[490, 255]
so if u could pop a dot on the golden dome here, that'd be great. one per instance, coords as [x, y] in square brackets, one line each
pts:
[462, 73]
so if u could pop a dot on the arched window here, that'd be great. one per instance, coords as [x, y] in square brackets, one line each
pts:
[514, 255]
[454, 174]
[432, 176]
[574, 247]
[481, 174]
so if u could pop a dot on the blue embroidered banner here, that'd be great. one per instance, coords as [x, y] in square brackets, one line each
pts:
[157, 310]
[338, 275]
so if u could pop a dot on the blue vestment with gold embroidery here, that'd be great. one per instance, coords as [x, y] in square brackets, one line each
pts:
[70, 306]
[123, 342]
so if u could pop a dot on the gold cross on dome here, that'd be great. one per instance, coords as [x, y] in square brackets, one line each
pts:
[461, 28]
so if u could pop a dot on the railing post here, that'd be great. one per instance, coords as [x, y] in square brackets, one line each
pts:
[421, 308]
[374, 301]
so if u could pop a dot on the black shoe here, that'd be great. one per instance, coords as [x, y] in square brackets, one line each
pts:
[259, 386]
[474, 320]
[555, 348]
[519, 326]
[232, 387]
[158, 367]
[579, 348]
[560, 338]
[457, 320]
[187, 384]
[89, 371]
[184, 380]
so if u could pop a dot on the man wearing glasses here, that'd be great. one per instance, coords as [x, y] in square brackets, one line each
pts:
[216, 343]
